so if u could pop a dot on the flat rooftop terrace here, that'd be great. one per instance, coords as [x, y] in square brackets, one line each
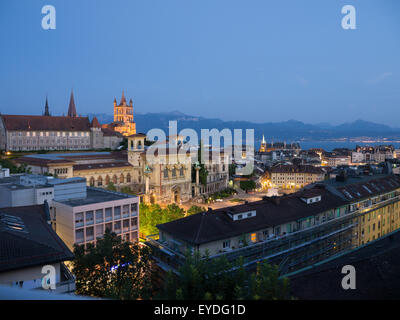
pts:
[95, 195]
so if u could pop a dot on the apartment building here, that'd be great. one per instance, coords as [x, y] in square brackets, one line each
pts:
[376, 154]
[81, 220]
[295, 230]
[334, 160]
[287, 176]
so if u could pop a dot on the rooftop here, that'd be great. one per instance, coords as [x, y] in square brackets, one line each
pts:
[36, 244]
[217, 225]
[376, 265]
[97, 195]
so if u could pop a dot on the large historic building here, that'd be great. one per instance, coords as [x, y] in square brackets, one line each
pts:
[165, 171]
[47, 132]
[292, 176]
[123, 117]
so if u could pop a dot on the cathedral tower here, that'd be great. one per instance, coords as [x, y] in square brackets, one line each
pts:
[123, 115]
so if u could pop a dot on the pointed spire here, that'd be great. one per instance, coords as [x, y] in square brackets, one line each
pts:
[263, 140]
[123, 100]
[95, 123]
[46, 108]
[71, 108]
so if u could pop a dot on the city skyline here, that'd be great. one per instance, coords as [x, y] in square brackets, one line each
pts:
[267, 62]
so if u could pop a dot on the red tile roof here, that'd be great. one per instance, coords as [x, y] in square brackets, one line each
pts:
[48, 123]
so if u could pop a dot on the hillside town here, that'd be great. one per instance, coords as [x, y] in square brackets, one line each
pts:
[76, 180]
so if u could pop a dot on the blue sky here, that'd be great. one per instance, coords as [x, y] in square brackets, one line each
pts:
[256, 60]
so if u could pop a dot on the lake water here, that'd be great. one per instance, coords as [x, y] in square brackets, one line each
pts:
[330, 145]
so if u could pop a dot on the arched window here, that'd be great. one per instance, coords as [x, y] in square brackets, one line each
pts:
[115, 179]
[107, 180]
[91, 182]
[122, 178]
[139, 144]
[99, 181]
[132, 144]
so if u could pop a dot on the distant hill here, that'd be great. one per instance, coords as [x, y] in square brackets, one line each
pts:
[291, 130]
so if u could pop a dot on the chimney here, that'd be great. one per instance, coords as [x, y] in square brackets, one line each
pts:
[275, 199]
[47, 211]
[342, 176]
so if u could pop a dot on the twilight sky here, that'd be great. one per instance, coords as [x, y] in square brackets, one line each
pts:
[256, 60]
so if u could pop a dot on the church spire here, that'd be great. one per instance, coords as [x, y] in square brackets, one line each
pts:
[123, 100]
[46, 108]
[71, 108]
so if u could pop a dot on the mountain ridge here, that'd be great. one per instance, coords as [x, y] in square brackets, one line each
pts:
[289, 129]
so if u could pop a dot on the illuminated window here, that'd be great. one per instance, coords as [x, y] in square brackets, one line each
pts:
[253, 237]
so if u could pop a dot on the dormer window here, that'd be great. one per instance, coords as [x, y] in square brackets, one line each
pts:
[310, 200]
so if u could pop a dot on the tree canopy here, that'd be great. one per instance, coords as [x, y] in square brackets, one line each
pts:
[113, 269]
[218, 279]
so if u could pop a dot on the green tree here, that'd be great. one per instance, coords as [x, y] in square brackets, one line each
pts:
[247, 185]
[218, 279]
[151, 215]
[111, 187]
[195, 209]
[113, 269]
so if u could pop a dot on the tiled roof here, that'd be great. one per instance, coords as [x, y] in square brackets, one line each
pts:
[296, 169]
[109, 132]
[39, 245]
[217, 225]
[45, 123]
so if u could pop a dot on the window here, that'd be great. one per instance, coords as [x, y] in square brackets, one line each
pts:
[108, 214]
[89, 234]
[79, 236]
[134, 208]
[117, 227]
[166, 173]
[79, 219]
[99, 231]
[89, 217]
[99, 215]
[226, 244]
[253, 237]
[117, 212]
[125, 210]
[134, 223]
[181, 172]
[125, 225]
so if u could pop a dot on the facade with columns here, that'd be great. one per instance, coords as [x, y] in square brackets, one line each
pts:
[166, 171]
[217, 174]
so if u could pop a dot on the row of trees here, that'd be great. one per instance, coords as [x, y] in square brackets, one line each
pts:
[218, 279]
[122, 270]
[7, 163]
